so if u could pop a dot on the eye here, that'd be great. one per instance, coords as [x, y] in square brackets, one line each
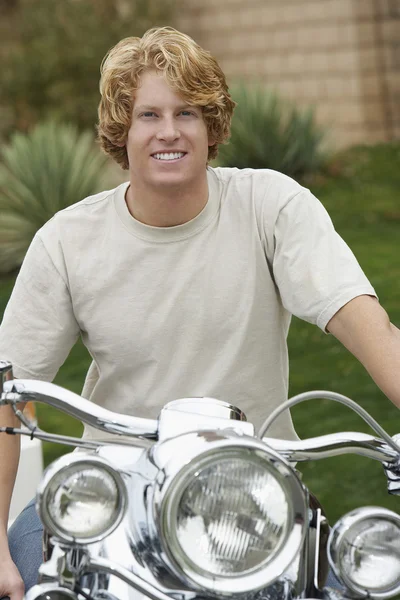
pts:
[148, 114]
[187, 113]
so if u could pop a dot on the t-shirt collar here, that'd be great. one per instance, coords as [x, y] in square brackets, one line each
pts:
[177, 232]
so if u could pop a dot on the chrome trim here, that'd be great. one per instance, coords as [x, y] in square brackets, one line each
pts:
[320, 562]
[56, 569]
[43, 590]
[124, 570]
[117, 548]
[26, 390]
[95, 565]
[209, 407]
[282, 589]
[6, 373]
[317, 542]
[336, 536]
[157, 473]
[195, 414]
[121, 457]
[334, 444]
[392, 472]
[43, 490]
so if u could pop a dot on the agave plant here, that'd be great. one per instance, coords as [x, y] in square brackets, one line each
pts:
[41, 173]
[268, 132]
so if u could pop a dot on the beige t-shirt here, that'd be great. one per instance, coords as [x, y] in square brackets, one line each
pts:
[200, 309]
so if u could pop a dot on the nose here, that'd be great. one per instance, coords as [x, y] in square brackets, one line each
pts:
[168, 130]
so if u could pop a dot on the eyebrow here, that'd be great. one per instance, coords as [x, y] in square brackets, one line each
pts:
[147, 107]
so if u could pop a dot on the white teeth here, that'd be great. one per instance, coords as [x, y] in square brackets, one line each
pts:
[169, 155]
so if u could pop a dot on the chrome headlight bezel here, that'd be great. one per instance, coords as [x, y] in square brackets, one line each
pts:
[210, 449]
[45, 492]
[338, 537]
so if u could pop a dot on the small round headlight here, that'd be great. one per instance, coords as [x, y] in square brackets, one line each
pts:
[364, 551]
[233, 520]
[81, 499]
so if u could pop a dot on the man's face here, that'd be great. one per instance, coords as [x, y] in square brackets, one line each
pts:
[167, 142]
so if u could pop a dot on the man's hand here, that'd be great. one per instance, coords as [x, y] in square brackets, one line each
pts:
[11, 583]
[364, 328]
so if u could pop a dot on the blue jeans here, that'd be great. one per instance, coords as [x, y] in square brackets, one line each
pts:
[25, 541]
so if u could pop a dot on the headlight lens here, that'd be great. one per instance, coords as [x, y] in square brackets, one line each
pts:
[240, 521]
[228, 517]
[364, 551]
[82, 500]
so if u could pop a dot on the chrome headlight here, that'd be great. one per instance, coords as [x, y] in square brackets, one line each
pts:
[81, 499]
[233, 518]
[364, 551]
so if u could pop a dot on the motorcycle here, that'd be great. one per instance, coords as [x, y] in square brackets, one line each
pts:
[195, 505]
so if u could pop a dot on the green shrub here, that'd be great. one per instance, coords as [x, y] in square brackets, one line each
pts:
[268, 132]
[41, 173]
[51, 52]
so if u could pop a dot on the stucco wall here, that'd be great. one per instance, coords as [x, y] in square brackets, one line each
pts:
[343, 56]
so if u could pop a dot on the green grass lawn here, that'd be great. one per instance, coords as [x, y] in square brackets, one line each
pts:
[363, 200]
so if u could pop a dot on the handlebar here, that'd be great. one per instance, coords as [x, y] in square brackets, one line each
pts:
[27, 390]
[146, 431]
[334, 444]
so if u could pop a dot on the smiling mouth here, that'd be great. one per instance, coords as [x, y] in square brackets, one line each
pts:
[168, 155]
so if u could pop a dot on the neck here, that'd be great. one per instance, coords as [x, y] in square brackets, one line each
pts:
[166, 207]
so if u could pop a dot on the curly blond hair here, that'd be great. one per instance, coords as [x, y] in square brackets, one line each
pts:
[191, 72]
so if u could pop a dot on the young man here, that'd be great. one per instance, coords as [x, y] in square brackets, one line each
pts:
[182, 281]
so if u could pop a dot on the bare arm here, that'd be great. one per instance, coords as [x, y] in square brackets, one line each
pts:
[364, 328]
[10, 581]
[37, 332]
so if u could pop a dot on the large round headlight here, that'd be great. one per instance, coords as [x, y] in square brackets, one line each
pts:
[81, 499]
[364, 551]
[233, 520]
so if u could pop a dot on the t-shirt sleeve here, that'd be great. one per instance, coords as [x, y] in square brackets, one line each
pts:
[39, 328]
[315, 270]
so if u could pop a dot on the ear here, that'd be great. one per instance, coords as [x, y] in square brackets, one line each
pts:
[211, 141]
